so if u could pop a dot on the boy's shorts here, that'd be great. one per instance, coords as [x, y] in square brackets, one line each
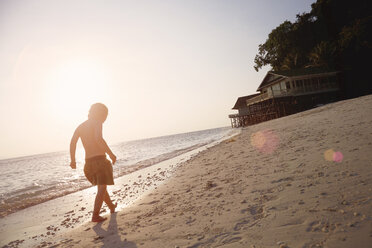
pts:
[98, 170]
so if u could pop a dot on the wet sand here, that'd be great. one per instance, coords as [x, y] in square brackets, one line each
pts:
[300, 181]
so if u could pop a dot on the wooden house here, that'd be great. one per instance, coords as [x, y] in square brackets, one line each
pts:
[239, 119]
[287, 92]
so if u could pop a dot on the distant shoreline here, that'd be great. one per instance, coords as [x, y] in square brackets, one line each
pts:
[113, 144]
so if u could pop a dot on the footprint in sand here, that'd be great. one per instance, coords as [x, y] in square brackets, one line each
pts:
[240, 225]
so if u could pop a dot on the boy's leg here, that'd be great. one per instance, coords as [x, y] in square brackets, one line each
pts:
[101, 190]
[109, 203]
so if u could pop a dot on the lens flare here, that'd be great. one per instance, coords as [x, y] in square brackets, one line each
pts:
[332, 156]
[265, 141]
[258, 139]
[328, 155]
[338, 157]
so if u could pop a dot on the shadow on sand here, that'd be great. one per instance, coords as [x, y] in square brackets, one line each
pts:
[110, 237]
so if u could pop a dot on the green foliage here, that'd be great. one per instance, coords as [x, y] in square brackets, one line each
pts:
[332, 30]
[356, 36]
[334, 34]
[274, 50]
[322, 55]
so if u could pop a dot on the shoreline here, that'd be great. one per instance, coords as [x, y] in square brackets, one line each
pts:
[274, 185]
[125, 170]
[39, 191]
[77, 206]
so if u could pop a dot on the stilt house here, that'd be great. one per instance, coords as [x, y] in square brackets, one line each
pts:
[286, 92]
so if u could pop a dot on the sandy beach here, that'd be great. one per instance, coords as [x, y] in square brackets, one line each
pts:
[304, 180]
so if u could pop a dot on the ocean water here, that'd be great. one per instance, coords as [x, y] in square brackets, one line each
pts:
[30, 180]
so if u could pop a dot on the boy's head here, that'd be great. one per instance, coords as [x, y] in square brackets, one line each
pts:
[98, 111]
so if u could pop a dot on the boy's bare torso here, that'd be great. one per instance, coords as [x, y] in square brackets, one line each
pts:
[90, 133]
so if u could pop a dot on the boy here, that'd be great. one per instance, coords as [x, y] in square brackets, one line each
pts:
[97, 169]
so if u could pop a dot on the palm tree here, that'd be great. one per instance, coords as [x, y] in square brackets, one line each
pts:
[322, 55]
[290, 62]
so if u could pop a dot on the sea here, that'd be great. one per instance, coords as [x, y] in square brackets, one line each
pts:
[30, 180]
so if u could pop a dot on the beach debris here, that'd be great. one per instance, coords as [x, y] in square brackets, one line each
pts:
[282, 244]
[230, 140]
[351, 224]
[210, 185]
[201, 237]
[330, 209]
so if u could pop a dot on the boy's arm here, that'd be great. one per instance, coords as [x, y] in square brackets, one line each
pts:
[102, 143]
[73, 142]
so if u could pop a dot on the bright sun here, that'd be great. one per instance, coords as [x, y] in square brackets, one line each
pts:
[74, 86]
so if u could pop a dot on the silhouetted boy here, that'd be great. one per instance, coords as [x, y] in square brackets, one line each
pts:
[97, 169]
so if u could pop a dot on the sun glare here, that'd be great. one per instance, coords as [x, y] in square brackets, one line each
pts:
[74, 86]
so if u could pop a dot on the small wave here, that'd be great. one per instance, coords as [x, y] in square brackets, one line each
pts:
[30, 188]
[31, 198]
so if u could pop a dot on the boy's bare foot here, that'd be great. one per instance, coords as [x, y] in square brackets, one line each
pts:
[98, 219]
[112, 209]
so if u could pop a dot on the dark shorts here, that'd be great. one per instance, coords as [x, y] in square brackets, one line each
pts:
[98, 170]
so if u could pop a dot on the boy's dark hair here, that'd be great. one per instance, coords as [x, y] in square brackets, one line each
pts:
[98, 111]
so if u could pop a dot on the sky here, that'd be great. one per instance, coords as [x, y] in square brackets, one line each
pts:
[161, 66]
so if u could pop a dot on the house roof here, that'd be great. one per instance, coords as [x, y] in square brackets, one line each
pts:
[273, 76]
[303, 71]
[242, 101]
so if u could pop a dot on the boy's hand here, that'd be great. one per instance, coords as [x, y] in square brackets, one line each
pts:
[73, 164]
[113, 158]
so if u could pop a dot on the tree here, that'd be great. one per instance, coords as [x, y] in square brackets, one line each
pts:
[334, 34]
[288, 45]
[322, 55]
[276, 47]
